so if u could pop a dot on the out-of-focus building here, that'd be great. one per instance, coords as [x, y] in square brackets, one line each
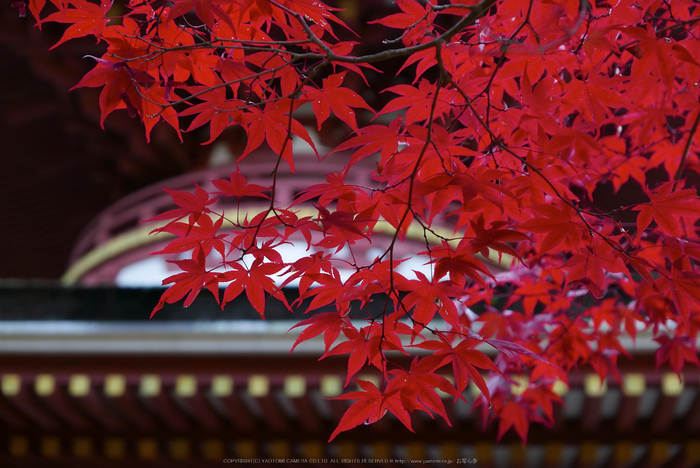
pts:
[86, 379]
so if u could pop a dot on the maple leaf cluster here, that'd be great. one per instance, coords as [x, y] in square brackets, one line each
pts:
[517, 123]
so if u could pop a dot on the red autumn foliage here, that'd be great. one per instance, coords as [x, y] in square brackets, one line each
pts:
[514, 122]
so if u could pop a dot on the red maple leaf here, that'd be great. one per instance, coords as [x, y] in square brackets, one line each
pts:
[238, 186]
[677, 351]
[155, 106]
[368, 345]
[193, 205]
[569, 343]
[206, 10]
[215, 109]
[416, 19]
[273, 124]
[119, 87]
[683, 286]
[334, 189]
[362, 347]
[304, 268]
[665, 206]
[418, 387]
[495, 238]
[460, 264]
[87, 19]
[317, 12]
[418, 100]
[328, 323]
[511, 349]
[254, 281]
[371, 406]
[35, 6]
[330, 289]
[422, 296]
[333, 97]
[557, 224]
[596, 96]
[204, 235]
[657, 54]
[513, 414]
[343, 221]
[373, 139]
[465, 360]
[189, 283]
[588, 268]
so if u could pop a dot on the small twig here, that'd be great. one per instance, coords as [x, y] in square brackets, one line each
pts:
[688, 144]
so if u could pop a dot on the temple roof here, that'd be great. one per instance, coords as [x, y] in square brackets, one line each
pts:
[85, 377]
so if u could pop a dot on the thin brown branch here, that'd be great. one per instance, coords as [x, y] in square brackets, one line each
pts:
[688, 144]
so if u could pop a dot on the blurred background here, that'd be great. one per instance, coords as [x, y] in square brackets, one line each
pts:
[59, 170]
[87, 380]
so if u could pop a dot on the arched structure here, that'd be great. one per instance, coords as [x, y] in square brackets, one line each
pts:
[114, 248]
